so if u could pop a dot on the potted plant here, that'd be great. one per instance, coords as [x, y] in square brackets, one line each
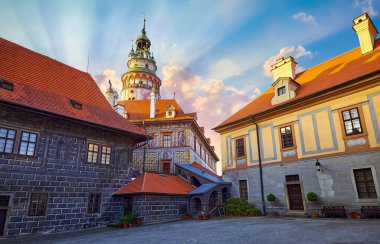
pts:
[313, 198]
[131, 219]
[123, 222]
[354, 215]
[271, 198]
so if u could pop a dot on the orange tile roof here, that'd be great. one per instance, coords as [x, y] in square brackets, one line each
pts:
[140, 109]
[47, 85]
[156, 183]
[333, 72]
[200, 167]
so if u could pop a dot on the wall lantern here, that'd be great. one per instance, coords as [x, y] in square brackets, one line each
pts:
[318, 165]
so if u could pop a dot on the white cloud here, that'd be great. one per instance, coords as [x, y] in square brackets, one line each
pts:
[304, 17]
[293, 51]
[366, 6]
[211, 99]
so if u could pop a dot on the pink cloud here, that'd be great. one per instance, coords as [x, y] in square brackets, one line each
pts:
[211, 99]
[104, 76]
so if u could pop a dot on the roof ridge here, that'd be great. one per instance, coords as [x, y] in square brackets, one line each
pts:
[143, 183]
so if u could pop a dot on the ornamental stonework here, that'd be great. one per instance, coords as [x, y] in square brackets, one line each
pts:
[183, 157]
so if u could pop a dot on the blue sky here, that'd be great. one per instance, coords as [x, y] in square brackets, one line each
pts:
[214, 54]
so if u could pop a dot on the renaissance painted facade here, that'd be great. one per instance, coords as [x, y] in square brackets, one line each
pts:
[315, 131]
[176, 135]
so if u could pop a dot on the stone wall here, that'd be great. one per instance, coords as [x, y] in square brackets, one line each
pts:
[335, 184]
[59, 169]
[158, 208]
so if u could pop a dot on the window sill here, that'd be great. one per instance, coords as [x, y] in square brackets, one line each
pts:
[239, 158]
[364, 134]
[288, 148]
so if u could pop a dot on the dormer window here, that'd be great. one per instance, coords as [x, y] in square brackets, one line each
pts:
[76, 104]
[281, 91]
[6, 85]
[170, 111]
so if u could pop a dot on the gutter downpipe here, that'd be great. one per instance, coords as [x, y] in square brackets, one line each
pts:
[260, 166]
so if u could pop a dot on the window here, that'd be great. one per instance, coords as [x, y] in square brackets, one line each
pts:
[240, 150]
[93, 150]
[38, 202]
[281, 91]
[6, 85]
[28, 143]
[106, 155]
[94, 201]
[7, 140]
[243, 188]
[351, 121]
[286, 136]
[76, 104]
[364, 183]
[167, 140]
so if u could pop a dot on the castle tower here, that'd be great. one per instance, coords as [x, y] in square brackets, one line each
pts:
[141, 78]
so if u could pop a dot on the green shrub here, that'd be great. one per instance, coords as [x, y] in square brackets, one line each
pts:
[240, 206]
[129, 218]
[271, 197]
[123, 220]
[312, 197]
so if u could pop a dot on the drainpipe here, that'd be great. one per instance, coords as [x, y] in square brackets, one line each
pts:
[142, 145]
[260, 166]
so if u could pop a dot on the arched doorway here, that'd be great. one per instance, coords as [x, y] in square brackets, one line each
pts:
[195, 182]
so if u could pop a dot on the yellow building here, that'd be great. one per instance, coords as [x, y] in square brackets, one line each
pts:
[318, 131]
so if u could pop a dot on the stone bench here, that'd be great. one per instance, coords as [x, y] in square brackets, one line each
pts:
[370, 212]
[334, 212]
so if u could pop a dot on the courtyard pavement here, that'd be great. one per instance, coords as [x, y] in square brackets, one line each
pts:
[227, 230]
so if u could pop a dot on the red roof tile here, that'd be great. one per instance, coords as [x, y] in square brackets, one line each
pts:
[158, 184]
[200, 167]
[333, 72]
[45, 84]
[140, 109]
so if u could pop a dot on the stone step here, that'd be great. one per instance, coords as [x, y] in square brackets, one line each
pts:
[295, 214]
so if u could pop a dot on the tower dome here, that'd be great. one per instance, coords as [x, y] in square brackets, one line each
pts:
[141, 76]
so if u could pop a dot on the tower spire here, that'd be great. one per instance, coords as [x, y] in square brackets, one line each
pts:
[143, 29]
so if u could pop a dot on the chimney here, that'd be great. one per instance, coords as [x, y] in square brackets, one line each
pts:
[366, 31]
[120, 110]
[152, 103]
[284, 67]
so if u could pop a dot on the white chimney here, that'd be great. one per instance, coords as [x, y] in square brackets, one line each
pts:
[284, 67]
[120, 110]
[152, 103]
[366, 31]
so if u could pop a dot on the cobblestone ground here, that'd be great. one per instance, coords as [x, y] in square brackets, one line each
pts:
[228, 230]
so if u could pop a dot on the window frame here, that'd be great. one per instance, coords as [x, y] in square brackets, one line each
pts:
[281, 90]
[88, 153]
[287, 136]
[18, 139]
[246, 188]
[99, 159]
[28, 143]
[170, 137]
[244, 148]
[351, 121]
[6, 139]
[92, 206]
[362, 122]
[365, 181]
[38, 203]
[291, 124]
[106, 154]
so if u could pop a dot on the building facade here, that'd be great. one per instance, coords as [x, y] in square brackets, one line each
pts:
[63, 150]
[176, 135]
[315, 131]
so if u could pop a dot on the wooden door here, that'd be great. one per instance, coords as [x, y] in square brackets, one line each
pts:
[295, 197]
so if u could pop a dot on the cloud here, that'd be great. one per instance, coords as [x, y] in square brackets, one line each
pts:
[366, 6]
[213, 100]
[104, 76]
[304, 17]
[293, 51]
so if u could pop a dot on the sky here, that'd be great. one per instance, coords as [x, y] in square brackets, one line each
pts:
[214, 54]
